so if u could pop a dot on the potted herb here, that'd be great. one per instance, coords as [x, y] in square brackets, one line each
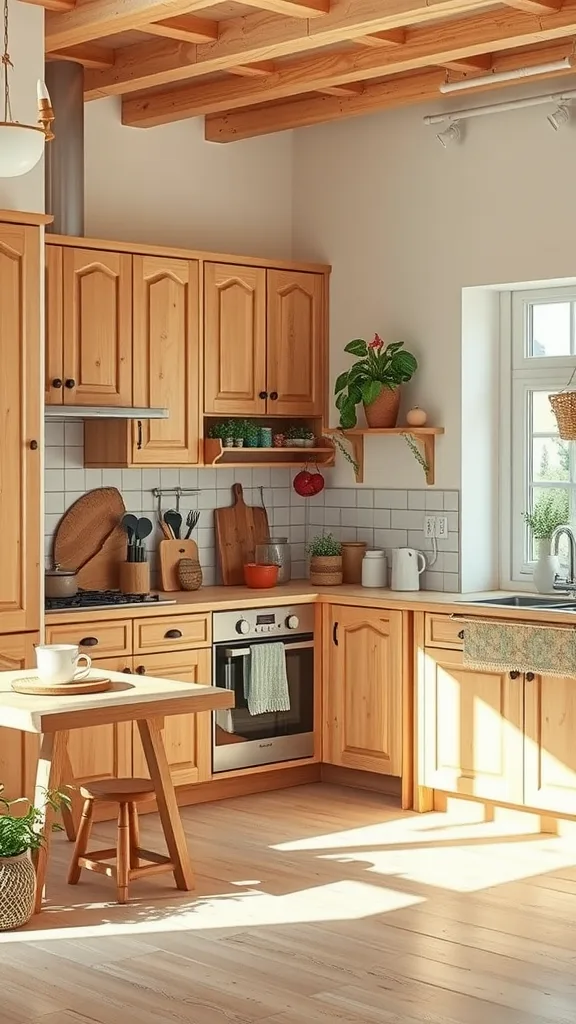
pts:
[551, 509]
[325, 561]
[19, 837]
[375, 379]
[250, 433]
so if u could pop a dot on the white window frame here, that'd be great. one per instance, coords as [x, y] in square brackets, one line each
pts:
[521, 374]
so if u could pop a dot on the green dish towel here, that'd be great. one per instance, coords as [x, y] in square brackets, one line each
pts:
[266, 680]
[519, 647]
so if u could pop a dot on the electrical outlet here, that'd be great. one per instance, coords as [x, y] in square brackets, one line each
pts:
[429, 526]
[442, 526]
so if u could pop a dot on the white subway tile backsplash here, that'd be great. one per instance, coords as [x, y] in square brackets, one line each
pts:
[73, 458]
[364, 497]
[451, 583]
[207, 499]
[169, 477]
[316, 516]
[434, 501]
[391, 499]
[261, 477]
[390, 538]
[54, 458]
[365, 517]
[407, 519]
[280, 517]
[54, 479]
[280, 497]
[150, 479]
[54, 434]
[382, 518]
[451, 501]
[74, 434]
[298, 514]
[349, 517]
[74, 480]
[342, 497]
[450, 562]
[332, 517]
[54, 501]
[416, 499]
[112, 478]
[92, 478]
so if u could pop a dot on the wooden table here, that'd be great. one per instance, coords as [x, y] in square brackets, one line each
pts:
[139, 699]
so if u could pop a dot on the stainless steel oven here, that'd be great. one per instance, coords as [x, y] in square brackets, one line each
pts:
[241, 739]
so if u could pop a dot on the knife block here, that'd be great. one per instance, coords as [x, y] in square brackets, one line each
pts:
[135, 577]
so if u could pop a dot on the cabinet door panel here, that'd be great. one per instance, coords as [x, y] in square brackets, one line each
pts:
[19, 401]
[234, 339]
[549, 747]
[363, 690]
[187, 738]
[295, 343]
[97, 289]
[18, 750]
[166, 359]
[54, 368]
[472, 729]
[102, 751]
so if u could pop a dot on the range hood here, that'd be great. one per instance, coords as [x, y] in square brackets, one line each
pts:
[99, 412]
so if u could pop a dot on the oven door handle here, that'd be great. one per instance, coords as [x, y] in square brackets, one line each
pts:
[243, 652]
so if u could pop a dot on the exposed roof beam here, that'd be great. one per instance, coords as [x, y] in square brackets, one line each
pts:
[187, 28]
[303, 112]
[54, 5]
[256, 37]
[260, 70]
[98, 18]
[395, 37]
[534, 6]
[482, 62]
[351, 89]
[423, 47]
[292, 8]
[90, 55]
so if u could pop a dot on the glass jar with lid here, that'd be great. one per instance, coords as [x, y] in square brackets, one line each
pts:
[276, 551]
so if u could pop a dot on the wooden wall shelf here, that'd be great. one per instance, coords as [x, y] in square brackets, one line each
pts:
[216, 455]
[426, 436]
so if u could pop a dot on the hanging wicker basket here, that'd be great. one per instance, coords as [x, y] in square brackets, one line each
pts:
[564, 409]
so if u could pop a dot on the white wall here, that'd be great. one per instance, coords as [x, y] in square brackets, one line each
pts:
[168, 186]
[407, 224]
[27, 53]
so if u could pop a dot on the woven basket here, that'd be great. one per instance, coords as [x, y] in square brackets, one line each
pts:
[326, 570]
[564, 409]
[17, 891]
[190, 574]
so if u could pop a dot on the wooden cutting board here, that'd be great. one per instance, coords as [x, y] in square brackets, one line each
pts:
[81, 532]
[170, 552]
[238, 530]
[101, 572]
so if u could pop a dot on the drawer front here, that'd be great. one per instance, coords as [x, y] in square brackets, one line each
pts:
[172, 633]
[443, 631]
[98, 639]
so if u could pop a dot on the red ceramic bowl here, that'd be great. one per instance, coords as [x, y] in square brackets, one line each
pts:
[260, 577]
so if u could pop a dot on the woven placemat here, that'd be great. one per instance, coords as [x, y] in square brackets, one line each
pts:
[34, 686]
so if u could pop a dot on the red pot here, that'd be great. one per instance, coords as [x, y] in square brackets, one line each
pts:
[260, 577]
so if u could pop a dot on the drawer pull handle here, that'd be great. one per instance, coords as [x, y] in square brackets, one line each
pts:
[514, 675]
[461, 634]
[173, 634]
[335, 634]
[141, 670]
[89, 641]
[530, 676]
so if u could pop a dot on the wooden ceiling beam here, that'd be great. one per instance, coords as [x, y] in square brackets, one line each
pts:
[260, 70]
[482, 62]
[256, 37]
[292, 8]
[393, 38]
[186, 28]
[99, 18]
[423, 48]
[90, 55]
[54, 5]
[534, 6]
[351, 89]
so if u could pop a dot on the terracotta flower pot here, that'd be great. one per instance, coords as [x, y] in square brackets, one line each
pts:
[384, 411]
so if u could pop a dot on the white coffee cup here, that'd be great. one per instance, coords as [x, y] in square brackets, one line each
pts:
[59, 663]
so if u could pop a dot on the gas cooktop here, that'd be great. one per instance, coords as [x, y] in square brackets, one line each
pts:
[102, 599]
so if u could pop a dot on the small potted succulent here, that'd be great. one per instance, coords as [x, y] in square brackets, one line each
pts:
[299, 437]
[375, 380]
[325, 561]
[21, 835]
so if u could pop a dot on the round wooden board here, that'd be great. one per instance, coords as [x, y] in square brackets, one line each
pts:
[34, 687]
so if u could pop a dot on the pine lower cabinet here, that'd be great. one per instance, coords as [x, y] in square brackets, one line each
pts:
[187, 738]
[471, 725]
[363, 689]
[549, 743]
[102, 751]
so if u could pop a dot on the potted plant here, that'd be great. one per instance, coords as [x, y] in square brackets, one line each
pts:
[219, 431]
[19, 837]
[375, 379]
[551, 509]
[250, 433]
[325, 561]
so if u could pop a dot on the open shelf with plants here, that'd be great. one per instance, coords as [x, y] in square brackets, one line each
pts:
[265, 442]
[414, 436]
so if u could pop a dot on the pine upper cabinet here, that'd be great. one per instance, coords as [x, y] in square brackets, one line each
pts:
[187, 738]
[363, 690]
[234, 339]
[549, 748]
[102, 751]
[472, 729]
[97, 327]
[166, 359]
[20, 440]
[295, 371]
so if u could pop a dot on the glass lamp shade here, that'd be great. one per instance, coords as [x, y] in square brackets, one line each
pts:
[21, 146]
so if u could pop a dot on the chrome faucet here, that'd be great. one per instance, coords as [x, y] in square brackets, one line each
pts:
[565, 531]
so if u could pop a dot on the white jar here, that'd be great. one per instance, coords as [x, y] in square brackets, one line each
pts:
[374, 569]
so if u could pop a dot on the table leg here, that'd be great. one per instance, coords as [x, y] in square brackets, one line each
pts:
[71, 814]
[49, 776]
[168, 810]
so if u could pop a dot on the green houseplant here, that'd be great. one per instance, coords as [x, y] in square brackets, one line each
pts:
[21, 835]
[551, 509]
[375, 380]
[325, 561]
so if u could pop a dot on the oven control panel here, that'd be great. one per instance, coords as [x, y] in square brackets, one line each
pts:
[256, 622]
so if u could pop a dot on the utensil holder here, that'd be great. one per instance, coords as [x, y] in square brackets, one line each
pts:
[135, 577]
[189, 574]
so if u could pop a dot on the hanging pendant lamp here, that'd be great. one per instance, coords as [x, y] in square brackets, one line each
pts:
[21, 145]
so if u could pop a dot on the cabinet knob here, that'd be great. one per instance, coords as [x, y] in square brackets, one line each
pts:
[461, 634]
[57, 382]
[263, 394]
[274, 395]
[127, 671]
[33, 446]
[141, 670]
[89, 641]
[530, 676]
[173, 634]
[70, 382]
[514, 675]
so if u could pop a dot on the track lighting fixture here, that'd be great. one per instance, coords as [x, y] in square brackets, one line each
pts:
[559, 117]
[450, 134]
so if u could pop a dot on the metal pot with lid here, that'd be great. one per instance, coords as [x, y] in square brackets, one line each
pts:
[60, 582]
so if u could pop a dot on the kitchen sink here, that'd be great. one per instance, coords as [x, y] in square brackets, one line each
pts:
[529, 601]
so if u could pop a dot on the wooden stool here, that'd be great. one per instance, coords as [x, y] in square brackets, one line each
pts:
[127, 793]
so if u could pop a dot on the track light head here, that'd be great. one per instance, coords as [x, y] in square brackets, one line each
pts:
[559, 117]
[450, 134]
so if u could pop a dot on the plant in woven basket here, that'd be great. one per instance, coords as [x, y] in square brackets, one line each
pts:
[324, 546]
[551, 509]
[325, 560]
[378, 370]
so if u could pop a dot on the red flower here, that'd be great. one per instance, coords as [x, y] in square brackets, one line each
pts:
[376, 343]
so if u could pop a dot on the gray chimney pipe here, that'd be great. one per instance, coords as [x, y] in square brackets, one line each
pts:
[65, 154]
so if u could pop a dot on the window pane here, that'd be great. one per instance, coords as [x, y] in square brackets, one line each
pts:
[550, 459]
[550, 335]
[551, 507]
[543, 419]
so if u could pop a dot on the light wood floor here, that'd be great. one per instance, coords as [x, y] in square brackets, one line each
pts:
[313, 905]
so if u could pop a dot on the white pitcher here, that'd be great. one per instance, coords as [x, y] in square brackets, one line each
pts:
[407, 567]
